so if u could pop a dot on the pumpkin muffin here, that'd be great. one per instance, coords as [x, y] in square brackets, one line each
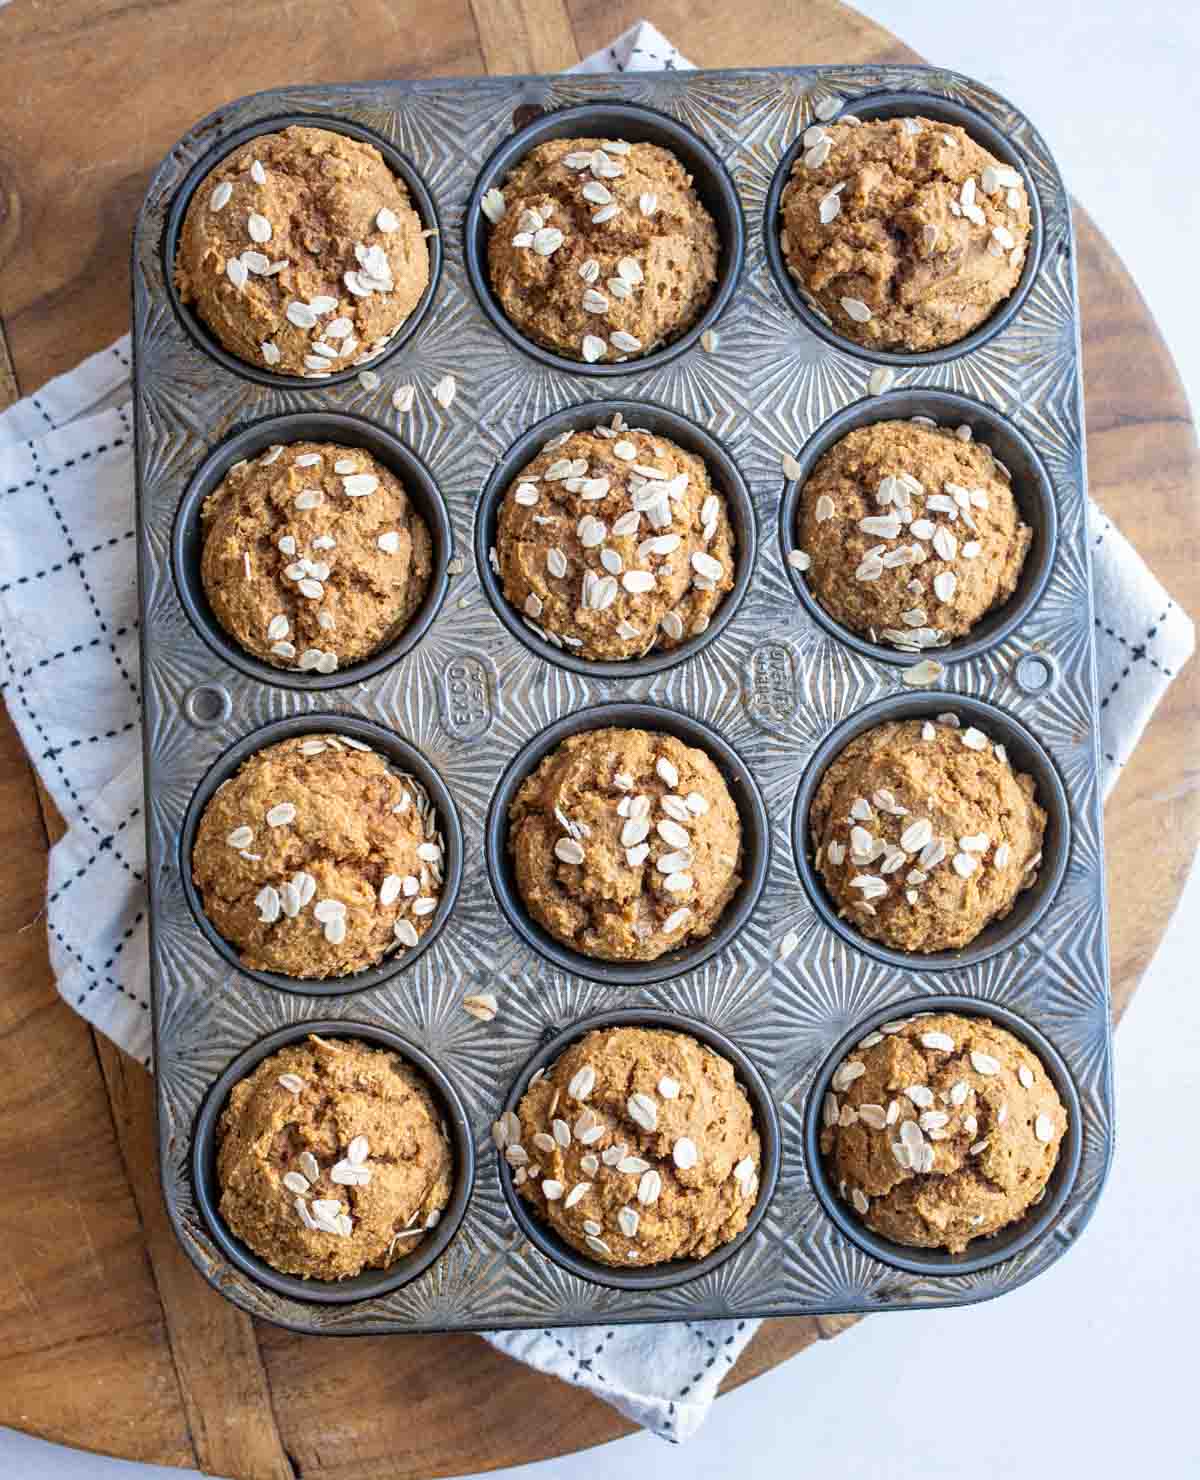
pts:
[904, 232]
[313, 556]
[626, 844]
[302, 253]
[924, 834]
[599, 249]
[613, 543]
[333, 1158]
[636, 1147]
[316, 860]
[909, 534]
[940, 1129]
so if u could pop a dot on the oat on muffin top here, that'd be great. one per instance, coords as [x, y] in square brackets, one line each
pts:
[939, 1129]
[905, 233]
[924, 834]
[301, 252]
[636, 1147]
[613, 542]
[316, 859]
[626, 844]
[313, 555]
[333, 1158]
[909, 533]
[600, 249]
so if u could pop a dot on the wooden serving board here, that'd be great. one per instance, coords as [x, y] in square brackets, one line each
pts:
[109, 1340]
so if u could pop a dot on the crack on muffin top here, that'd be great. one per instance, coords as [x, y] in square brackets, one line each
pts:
[613, 543]
[302, 252]
[316, 859]
[924, 834]
[304, 573]
[939, 1129]
[903, 233]
[600, 249]
[626, 844]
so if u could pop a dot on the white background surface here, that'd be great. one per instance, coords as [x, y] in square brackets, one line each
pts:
[1089, 1371]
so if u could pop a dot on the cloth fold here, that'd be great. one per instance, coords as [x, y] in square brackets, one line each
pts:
[69, 664]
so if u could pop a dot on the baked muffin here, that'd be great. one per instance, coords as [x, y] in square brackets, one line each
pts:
[626, 844]
[600, 249]
[313, 556]
[905, 233]
[909, 534]
[612, 543]
[940, 1129]
[636, 1147]
[332, 1158]
[316, 860]
[301, 252]
[924, 834]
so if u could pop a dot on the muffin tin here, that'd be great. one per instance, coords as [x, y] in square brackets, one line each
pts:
[776, 683]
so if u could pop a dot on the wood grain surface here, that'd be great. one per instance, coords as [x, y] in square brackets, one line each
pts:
[108, 1338]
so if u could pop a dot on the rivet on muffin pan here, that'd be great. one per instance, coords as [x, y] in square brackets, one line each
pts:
[1025, 753]
[373, 1283]
[207, 705]
[400, 756]
[1032, 491]
[756, 842]
[909, 105]
[635, 124]
[726, 477]
[422, 203]
[676, 1271]
[1008, 1242]
[187, 538]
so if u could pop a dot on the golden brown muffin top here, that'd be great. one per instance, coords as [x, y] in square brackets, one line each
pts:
[637, 1146]
[939, 1129]
[600, 249]
[905, 232]
[333, 1158]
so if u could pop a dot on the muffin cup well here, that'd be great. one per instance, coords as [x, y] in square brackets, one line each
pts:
[941, 110]
[187, 538]
[402, 757]
[726, 477]
[638, 125]
[1025, 754]
[400, 166]
[675, 1271]
[1032, 491]
[984, 1252]
[372, 1283]
[756, 842]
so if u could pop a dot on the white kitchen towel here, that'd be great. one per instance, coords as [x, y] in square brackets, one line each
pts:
[68, 659]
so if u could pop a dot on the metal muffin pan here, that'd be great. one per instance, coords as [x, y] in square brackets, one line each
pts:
[676, 1271]
[1031, 488]
[773, 684]
[373, 1283]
